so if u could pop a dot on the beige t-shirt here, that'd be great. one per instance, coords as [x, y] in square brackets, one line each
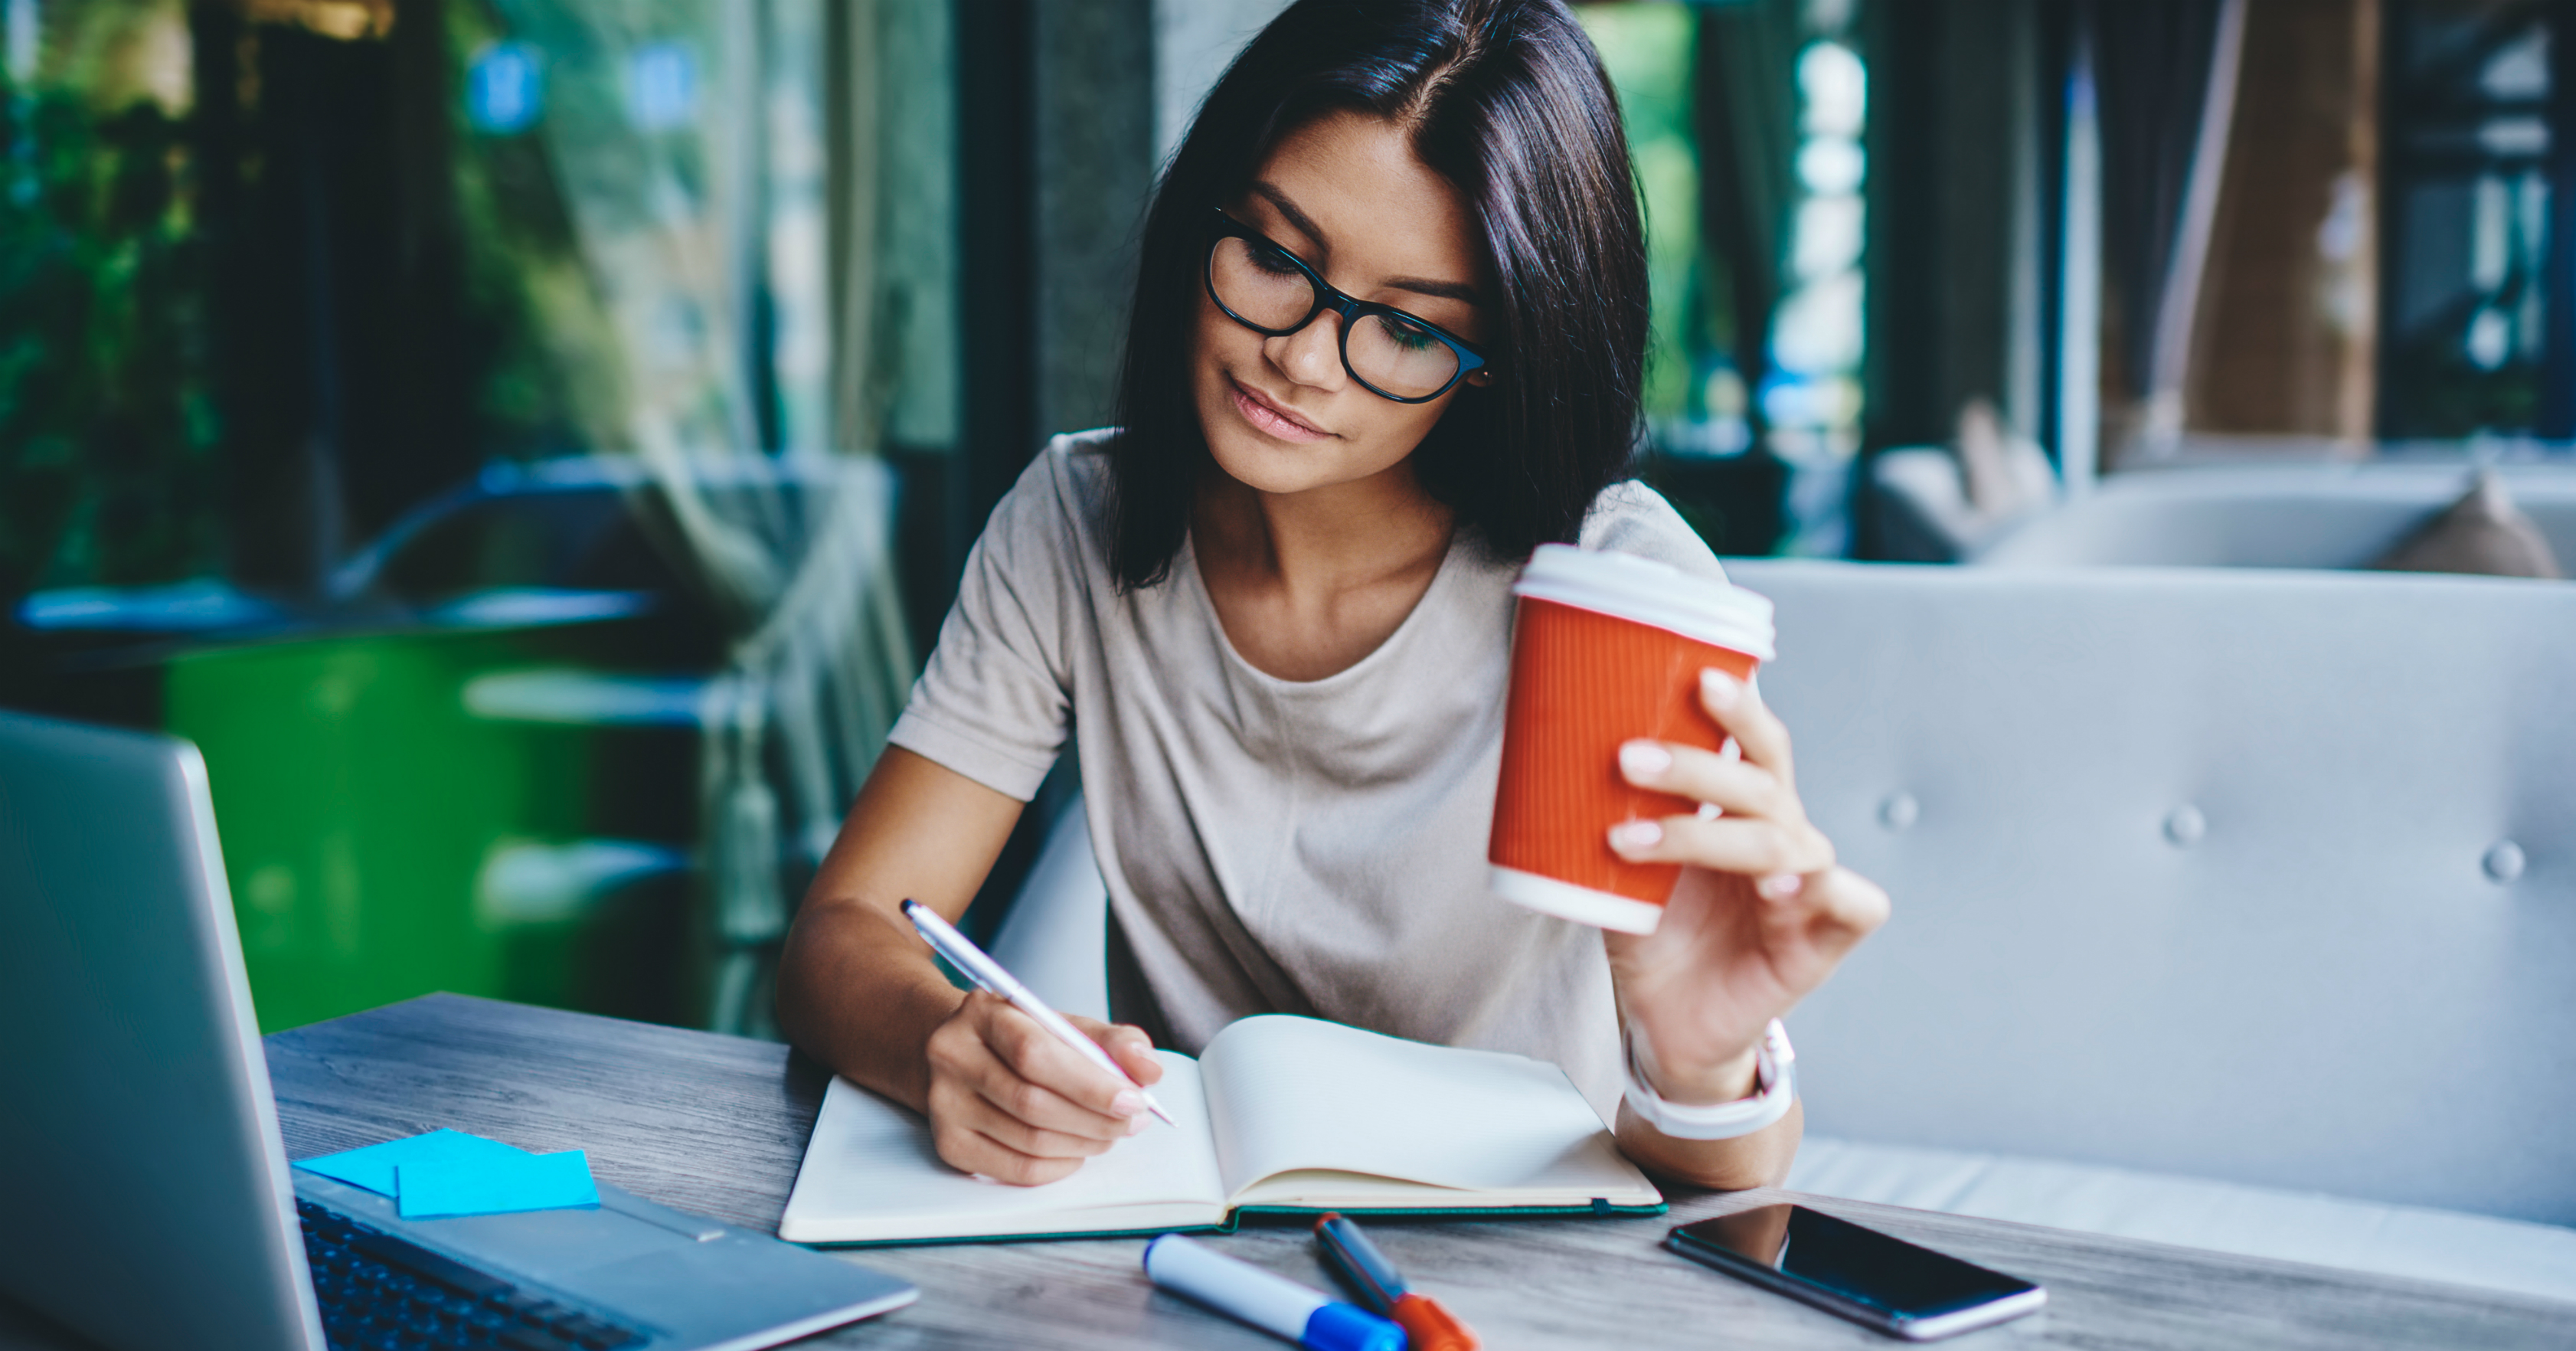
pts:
[1276, 846]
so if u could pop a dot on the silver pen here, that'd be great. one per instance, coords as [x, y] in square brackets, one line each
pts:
[980, 968]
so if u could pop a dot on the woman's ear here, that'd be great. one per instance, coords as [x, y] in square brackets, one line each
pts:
[1482, 377]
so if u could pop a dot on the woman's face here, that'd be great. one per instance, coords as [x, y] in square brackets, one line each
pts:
[1346, 195]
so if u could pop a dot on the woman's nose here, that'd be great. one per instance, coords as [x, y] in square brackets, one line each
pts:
[1312, 355]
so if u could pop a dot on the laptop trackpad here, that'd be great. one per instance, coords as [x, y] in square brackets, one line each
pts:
[548, 1244]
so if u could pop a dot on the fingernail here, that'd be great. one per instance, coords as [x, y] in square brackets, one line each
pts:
[1720, 689]
[1644, 759]
[1136, 1125]
[1780, 886]
[1636, 834]
[1129, 1102]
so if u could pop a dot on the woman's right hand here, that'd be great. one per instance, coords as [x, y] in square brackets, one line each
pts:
[1010, 1102]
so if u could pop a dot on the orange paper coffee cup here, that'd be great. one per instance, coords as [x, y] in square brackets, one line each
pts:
[1606, 648]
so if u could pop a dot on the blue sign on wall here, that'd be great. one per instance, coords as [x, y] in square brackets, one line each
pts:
[662, 86]
[505, 89]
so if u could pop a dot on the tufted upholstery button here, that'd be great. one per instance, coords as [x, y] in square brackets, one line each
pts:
[2503, 861]
[2184, 826]
[1898, 810]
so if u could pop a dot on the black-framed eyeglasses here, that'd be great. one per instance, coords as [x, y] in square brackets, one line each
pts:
[1271, 291]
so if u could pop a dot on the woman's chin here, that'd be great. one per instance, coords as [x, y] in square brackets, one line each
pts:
[1271, 466]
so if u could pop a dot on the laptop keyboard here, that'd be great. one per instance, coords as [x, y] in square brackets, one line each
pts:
[382, 1293]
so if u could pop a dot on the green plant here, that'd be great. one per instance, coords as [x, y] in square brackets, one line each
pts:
[107, 425]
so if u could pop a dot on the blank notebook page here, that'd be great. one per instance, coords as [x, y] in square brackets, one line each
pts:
[1296, 1094]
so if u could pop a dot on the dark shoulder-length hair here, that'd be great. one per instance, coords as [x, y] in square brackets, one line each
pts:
[1507, 101]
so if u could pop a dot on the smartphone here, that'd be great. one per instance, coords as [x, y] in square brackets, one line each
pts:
[1866, 1276]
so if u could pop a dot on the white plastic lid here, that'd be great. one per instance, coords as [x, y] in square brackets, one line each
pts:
[1648, 592]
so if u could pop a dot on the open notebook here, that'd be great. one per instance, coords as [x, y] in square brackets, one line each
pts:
[1280, 1114]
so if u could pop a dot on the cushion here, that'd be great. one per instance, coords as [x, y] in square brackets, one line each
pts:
[2005, 474]
[2482, 533]
[1936, 504]
[2391, 1240]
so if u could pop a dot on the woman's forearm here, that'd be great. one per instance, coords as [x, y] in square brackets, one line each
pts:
[857, 990]
[863, 996]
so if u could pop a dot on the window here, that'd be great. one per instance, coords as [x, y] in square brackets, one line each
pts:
[1746, 123]
[273, 273]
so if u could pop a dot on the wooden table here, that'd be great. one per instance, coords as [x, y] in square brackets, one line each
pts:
[717, 1124]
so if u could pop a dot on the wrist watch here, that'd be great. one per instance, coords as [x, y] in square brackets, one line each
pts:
[1775, 1081]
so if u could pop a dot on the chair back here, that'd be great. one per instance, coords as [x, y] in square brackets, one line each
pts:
[2264, 876]
[2269, 516]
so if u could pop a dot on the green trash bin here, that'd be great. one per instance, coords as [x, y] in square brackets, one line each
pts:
[384, 841]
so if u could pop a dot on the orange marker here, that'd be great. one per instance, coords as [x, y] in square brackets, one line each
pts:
[1427, 1326]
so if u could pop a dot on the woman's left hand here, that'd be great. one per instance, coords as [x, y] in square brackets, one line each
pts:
[1762, 913]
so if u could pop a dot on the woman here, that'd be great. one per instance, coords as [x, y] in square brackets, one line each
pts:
[1388, 337]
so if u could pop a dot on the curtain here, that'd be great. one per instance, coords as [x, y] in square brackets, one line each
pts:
[1748, 135]
[2166, 75]
[699, 163]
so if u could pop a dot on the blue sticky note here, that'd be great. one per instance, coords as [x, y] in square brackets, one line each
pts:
[373, 1167]
[493, 1185]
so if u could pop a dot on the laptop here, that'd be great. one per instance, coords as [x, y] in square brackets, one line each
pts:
[148, 1201]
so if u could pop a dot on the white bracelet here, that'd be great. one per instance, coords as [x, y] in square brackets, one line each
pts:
[1775, 1074]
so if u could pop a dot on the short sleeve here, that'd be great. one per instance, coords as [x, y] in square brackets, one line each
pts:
[1631, 518]
[993, 702]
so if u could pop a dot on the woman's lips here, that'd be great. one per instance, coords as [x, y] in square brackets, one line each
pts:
[1271, 420]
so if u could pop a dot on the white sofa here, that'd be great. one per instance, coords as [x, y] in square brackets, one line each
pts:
[2325, 515]
[2233, 908]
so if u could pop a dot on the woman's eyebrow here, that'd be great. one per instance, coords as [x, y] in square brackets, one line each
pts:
[1421, 286]
[1304, 223]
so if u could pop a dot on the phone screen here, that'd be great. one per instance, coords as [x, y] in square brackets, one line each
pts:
[1890, 1277]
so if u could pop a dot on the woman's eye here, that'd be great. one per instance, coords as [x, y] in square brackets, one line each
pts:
[1409, 335]
[1273, 261]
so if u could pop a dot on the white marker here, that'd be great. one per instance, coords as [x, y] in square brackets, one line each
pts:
[1272, 1303]
[980, 968]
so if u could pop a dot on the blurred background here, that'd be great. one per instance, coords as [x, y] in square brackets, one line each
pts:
[530, 444]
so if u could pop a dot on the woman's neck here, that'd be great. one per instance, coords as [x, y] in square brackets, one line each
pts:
[1306, 584]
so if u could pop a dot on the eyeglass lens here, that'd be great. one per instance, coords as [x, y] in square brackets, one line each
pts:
[1270, 292]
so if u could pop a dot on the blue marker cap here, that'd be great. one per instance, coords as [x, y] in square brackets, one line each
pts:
[1336, 1326]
